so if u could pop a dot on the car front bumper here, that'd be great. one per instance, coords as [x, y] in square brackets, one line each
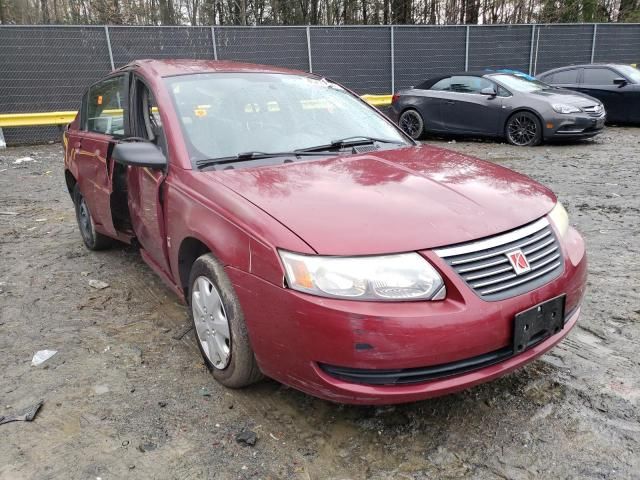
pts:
[294, 335]
[580, 125]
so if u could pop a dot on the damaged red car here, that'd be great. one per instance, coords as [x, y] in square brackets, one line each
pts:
[314, 242]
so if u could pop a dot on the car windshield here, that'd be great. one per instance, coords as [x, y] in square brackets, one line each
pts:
[520, 84]
[226, 114]
[630, 72]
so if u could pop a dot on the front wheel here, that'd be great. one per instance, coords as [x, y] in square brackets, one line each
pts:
[523, 129]
[218, 321]
[412, 123]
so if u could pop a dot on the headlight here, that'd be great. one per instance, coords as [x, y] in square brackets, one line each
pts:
[406, 276]
[560, 218]
[563, 108]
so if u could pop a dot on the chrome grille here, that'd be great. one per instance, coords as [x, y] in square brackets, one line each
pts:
[485, 267]
[594, 110]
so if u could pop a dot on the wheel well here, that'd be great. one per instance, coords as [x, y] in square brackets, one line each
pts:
[71, 181]
[411, 107]
[190, 249]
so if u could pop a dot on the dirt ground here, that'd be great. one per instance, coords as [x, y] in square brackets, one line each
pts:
[124, 397]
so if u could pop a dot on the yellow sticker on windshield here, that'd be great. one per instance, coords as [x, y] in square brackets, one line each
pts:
[200, 112]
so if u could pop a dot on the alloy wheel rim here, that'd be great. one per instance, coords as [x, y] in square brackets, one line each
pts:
[212, 324]
[410, 124]
[522, 130]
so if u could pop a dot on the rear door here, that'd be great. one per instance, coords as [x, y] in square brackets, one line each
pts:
[466, 110]
[598, 82]
[105, 123]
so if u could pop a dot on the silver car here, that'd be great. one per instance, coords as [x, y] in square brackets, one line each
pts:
[524, 111]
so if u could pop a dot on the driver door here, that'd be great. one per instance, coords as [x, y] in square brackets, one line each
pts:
[146, 188]
[598, 82]
[465, 110]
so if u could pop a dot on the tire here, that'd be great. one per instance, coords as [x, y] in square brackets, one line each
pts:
[234, 366]
[92, 239]
[412, 123]
[523, 129]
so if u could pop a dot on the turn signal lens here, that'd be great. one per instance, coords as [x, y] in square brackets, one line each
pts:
[300, 274]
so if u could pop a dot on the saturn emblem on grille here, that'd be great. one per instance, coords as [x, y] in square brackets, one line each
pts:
[519, 262]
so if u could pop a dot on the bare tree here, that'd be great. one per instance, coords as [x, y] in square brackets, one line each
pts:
[315, 12]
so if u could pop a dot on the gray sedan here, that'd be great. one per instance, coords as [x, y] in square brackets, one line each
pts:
[524, 111]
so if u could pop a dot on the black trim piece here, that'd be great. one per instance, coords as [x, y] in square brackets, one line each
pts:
[416, 375]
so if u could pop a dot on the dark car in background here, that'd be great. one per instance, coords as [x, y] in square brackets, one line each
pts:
[616, 86]
[524, 111]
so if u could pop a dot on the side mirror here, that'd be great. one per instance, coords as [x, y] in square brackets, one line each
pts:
[621, 82]
[139, 154]
[489, 91]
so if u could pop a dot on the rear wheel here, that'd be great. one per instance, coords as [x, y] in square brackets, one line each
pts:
[523, 129]
[218, 322]
[412, 124]
[92, 239]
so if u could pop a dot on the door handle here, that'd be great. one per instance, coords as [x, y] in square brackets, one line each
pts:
[451, 102]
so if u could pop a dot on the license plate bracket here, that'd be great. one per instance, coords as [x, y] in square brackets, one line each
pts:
[537, 323]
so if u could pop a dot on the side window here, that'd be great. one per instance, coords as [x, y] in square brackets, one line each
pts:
[467, 84]
[145, 121]
[599, 76]
[107, 107]
[443, 84]
[153, 123]
[565, 76]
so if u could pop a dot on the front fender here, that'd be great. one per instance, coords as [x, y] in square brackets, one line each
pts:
[238, 233]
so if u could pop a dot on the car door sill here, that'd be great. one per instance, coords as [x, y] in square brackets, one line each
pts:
[162, 274]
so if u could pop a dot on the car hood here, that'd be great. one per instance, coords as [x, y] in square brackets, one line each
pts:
[569, 97]
[397, 200]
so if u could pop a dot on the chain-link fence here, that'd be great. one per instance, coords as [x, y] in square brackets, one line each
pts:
[46, 68]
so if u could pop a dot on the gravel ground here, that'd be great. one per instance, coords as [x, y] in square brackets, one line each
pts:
[126, 397]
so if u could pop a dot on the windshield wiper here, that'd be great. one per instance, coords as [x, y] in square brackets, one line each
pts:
[349, 142]
[246, 156]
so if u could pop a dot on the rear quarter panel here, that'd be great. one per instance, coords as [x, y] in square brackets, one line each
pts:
[425, 102]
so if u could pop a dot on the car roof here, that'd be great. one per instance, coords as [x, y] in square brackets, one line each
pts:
[583, 65]
[173, 67]
[427, 84]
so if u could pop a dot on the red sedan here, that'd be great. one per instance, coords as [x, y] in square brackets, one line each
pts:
[314, 242]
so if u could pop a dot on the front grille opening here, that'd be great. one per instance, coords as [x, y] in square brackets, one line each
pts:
[488, 271]
[593, 110]
[570, 129]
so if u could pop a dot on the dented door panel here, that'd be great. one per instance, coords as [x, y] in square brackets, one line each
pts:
[94, 175]
[146, 210]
